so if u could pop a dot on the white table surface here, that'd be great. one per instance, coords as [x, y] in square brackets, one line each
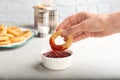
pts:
[93, 58]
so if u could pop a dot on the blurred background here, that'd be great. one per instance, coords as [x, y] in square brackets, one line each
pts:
[22, 11]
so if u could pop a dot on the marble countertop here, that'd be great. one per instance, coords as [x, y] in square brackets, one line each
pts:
[94, 58]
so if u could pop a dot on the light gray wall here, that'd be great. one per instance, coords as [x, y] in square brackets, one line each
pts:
[21, 11]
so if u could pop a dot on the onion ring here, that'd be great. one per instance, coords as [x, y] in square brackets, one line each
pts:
[5, 42]
[8, 35]
[17, 39]
[2, 29]
[2, 37]
[61, 47]
[14, 30]
[26, 33]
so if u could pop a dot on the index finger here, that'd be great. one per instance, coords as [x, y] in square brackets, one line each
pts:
[71, 20]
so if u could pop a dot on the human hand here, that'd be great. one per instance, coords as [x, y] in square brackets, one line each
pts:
[83, 25]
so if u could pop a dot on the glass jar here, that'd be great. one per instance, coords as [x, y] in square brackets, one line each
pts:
[39, 9]
[43, 30]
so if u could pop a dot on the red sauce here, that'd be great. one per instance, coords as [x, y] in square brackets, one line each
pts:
[57, 54]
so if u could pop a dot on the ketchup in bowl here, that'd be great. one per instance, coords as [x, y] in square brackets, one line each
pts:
[57, 54]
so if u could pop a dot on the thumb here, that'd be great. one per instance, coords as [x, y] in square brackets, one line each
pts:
[85, 26]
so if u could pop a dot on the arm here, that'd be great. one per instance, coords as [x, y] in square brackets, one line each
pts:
[114, 21]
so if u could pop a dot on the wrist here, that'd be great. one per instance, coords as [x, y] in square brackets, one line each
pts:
[114, 21]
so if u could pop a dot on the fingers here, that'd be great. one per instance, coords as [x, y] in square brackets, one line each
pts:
[78, 28]
[85, 26]
[79, 37]
[72, 20]
[72, 30]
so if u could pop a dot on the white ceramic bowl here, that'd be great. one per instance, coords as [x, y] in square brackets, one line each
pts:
[56, 63]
